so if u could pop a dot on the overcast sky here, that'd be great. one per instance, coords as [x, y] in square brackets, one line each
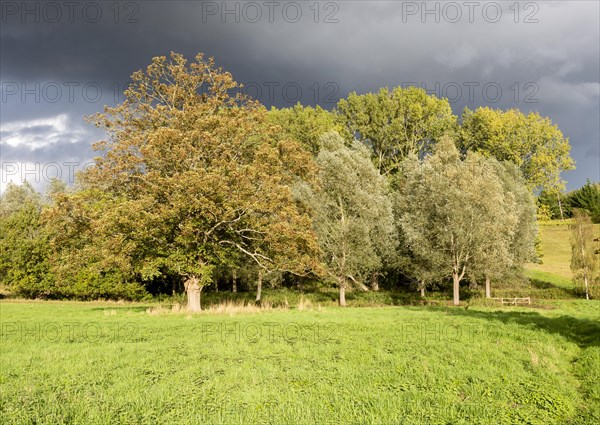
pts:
[62, 60]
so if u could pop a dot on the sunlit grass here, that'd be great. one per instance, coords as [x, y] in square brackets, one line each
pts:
[110, 363]
[298, 359]
[556, 249]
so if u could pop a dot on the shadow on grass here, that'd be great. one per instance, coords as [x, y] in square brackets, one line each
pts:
[555, 289]
[583, 332]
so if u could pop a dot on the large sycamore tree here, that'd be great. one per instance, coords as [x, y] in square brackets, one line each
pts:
[452, 209]
[353, 213]
[192, 175]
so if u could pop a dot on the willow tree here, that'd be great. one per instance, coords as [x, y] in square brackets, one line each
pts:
[395, 123]
[511, 241]
[585, 253]
[353, 213]
[449, 209]
[192, 174]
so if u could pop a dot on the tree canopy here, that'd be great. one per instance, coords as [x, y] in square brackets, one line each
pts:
[353, 212]
[395, 123]
[534, 143]
[305, 124]
[190, 174]
[197, 183]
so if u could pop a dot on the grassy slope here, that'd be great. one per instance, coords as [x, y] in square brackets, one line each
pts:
[105, 363]
[557, 251]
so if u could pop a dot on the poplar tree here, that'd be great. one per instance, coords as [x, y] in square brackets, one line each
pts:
[394, 123]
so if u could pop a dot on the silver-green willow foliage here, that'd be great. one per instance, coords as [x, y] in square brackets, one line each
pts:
[514, 238]
[585, 254]
[462, 217]
[353, 219]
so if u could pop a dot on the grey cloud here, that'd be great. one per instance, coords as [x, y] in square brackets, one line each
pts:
[60, 152]
[594, 151]
[34, 130]
[373, 44]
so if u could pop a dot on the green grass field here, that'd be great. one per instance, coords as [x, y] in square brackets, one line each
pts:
[117, 363]
[107, 362]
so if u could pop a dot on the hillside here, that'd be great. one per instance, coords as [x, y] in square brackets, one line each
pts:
[557, 250]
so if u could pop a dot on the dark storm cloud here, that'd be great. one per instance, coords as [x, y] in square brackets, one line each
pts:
[550, 66]
[59, 148]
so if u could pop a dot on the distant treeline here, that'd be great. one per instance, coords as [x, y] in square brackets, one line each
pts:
[558, 206]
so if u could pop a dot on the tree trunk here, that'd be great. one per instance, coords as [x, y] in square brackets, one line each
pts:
[375, 281]
[422, 288]
[342, 293]
[193, 290]
[259, 286]
[234, 281]
[585, 278]
[488, 289]
[361, 285]
[562, 217]
[456, 288]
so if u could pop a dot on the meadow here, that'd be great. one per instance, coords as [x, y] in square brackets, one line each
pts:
[305, 361]
[557, 249]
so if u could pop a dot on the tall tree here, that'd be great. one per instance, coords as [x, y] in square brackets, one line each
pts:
[191, 174]
[534, 143]
[553, 205]
[305, 124]
[585, 253]
[450, 207]
[24, 245]
[396, 123]
[511, 241]
[587, 198]
[353, 212]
